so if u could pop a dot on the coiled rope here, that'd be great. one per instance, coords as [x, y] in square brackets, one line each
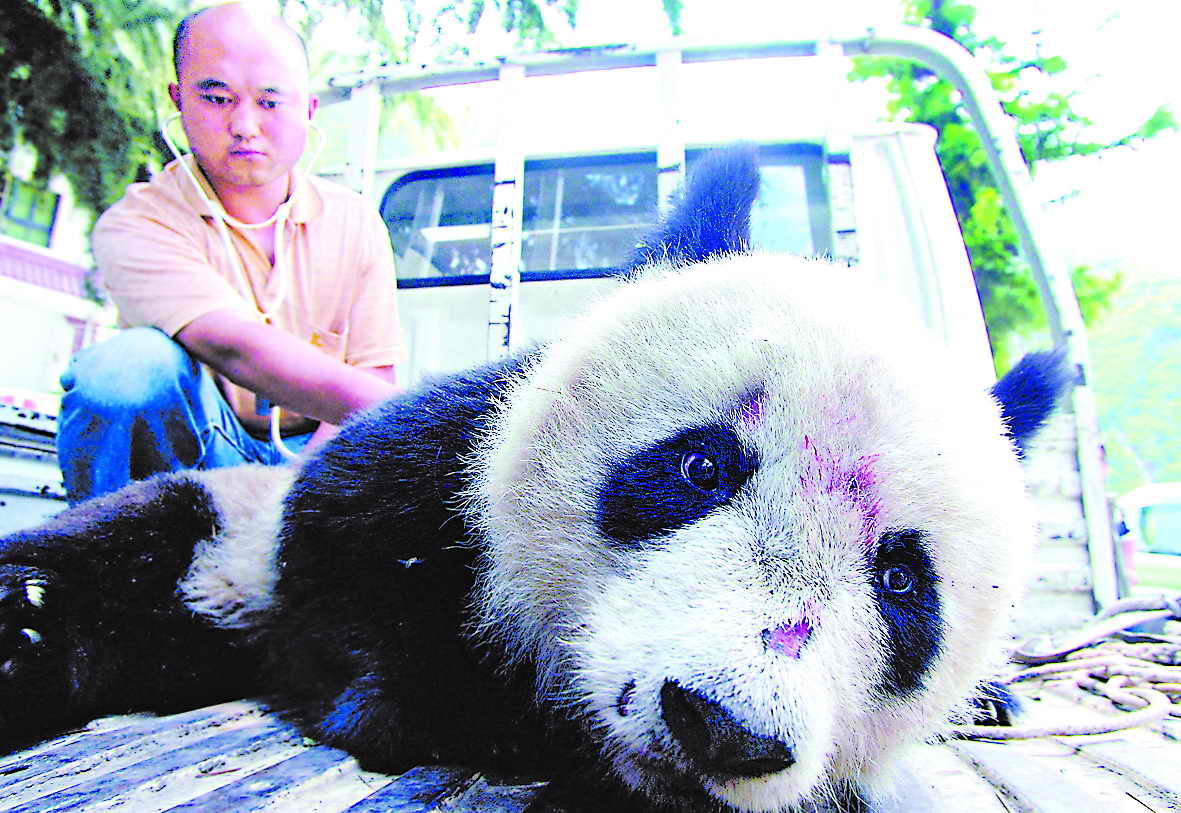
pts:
[1141, 676]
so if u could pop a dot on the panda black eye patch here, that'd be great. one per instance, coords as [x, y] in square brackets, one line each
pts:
[906, 591]
[672, 484]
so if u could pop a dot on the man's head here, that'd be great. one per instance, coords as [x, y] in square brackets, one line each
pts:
[242, 92]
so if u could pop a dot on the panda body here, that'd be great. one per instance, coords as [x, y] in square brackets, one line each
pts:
[731, 544]
[564, 575]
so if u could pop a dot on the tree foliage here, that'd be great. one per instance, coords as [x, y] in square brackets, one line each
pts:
[71, 88]
[1137, 355]
[83, 82]
[1048, 129]
[399, 31]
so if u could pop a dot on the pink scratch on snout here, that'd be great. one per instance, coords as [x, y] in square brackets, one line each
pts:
[855, 483]
[788, 639]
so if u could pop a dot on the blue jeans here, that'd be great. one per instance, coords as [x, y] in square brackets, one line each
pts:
[137, 405]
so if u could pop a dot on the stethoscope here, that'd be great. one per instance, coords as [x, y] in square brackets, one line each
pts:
[279, 219]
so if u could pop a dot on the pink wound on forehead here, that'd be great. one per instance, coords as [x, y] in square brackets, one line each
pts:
[855, 483]
[862, 488]
[752, 408]
[788, 639]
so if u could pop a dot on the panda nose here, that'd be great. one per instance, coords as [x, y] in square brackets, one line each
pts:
[714, 741]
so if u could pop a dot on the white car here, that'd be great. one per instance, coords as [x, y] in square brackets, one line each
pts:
[1152, 514]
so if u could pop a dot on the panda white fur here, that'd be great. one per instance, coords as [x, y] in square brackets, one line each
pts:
[735, 540]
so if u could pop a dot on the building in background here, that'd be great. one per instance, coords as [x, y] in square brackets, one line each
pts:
[49, 296]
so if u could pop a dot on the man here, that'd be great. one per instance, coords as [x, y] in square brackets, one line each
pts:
[289, 300]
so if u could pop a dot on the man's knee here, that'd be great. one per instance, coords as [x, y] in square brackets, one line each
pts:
[137, 368]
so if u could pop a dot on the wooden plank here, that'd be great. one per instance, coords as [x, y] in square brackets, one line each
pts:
[86, 794]
[261, 789]
[487, 797]
[1146, 760]
[420, 790]
[1041, 776]
[930, 776]
[59, 763]
[1148, 757]
[184, 783]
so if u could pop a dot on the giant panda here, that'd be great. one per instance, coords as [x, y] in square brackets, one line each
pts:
[730, 544]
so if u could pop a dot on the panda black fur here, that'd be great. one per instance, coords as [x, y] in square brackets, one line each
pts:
[732, 543]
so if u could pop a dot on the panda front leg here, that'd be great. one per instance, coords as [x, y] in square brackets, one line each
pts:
[385, 674]
[364, 718]
[91, 620]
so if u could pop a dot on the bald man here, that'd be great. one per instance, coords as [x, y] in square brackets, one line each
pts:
[243, 283]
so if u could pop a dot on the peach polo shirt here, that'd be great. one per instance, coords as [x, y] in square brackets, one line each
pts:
[164, 264]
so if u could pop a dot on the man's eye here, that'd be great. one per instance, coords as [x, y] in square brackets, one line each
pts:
[213, 98]
[268, 104]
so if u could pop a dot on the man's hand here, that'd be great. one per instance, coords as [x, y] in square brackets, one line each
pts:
[326, 431]
[282, 368]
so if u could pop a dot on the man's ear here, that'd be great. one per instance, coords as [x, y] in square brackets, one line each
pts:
[174, 94]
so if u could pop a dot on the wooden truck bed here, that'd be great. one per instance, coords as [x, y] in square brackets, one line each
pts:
[240, 757]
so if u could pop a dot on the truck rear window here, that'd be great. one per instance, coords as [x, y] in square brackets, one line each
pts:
[582, 216]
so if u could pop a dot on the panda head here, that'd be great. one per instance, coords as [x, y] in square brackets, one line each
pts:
[753, 534]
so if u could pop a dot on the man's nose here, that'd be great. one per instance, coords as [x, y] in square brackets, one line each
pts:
[244, 121]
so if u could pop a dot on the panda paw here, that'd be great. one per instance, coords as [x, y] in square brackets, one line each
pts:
[25, 624]
[995, 704]
[33, 684]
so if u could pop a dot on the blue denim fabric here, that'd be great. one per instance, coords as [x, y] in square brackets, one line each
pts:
[137, 405]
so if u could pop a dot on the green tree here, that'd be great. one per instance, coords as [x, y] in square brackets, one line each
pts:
[1137, 355]
[72, 88]
[392, 32]
[1048, 129]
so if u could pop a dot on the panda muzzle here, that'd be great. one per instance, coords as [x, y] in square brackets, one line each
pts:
[715, 742]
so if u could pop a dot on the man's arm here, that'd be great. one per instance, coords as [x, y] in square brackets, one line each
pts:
[387, 373]
[282, 368]
[326, 431]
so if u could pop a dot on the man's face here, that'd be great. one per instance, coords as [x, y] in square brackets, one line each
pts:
[243, 98]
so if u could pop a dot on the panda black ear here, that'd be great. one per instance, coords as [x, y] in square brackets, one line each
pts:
[711, 216]
[1029, 392]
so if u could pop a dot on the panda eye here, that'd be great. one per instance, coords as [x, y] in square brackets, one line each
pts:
[700, 471]
[898, 580]
[671, 484]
